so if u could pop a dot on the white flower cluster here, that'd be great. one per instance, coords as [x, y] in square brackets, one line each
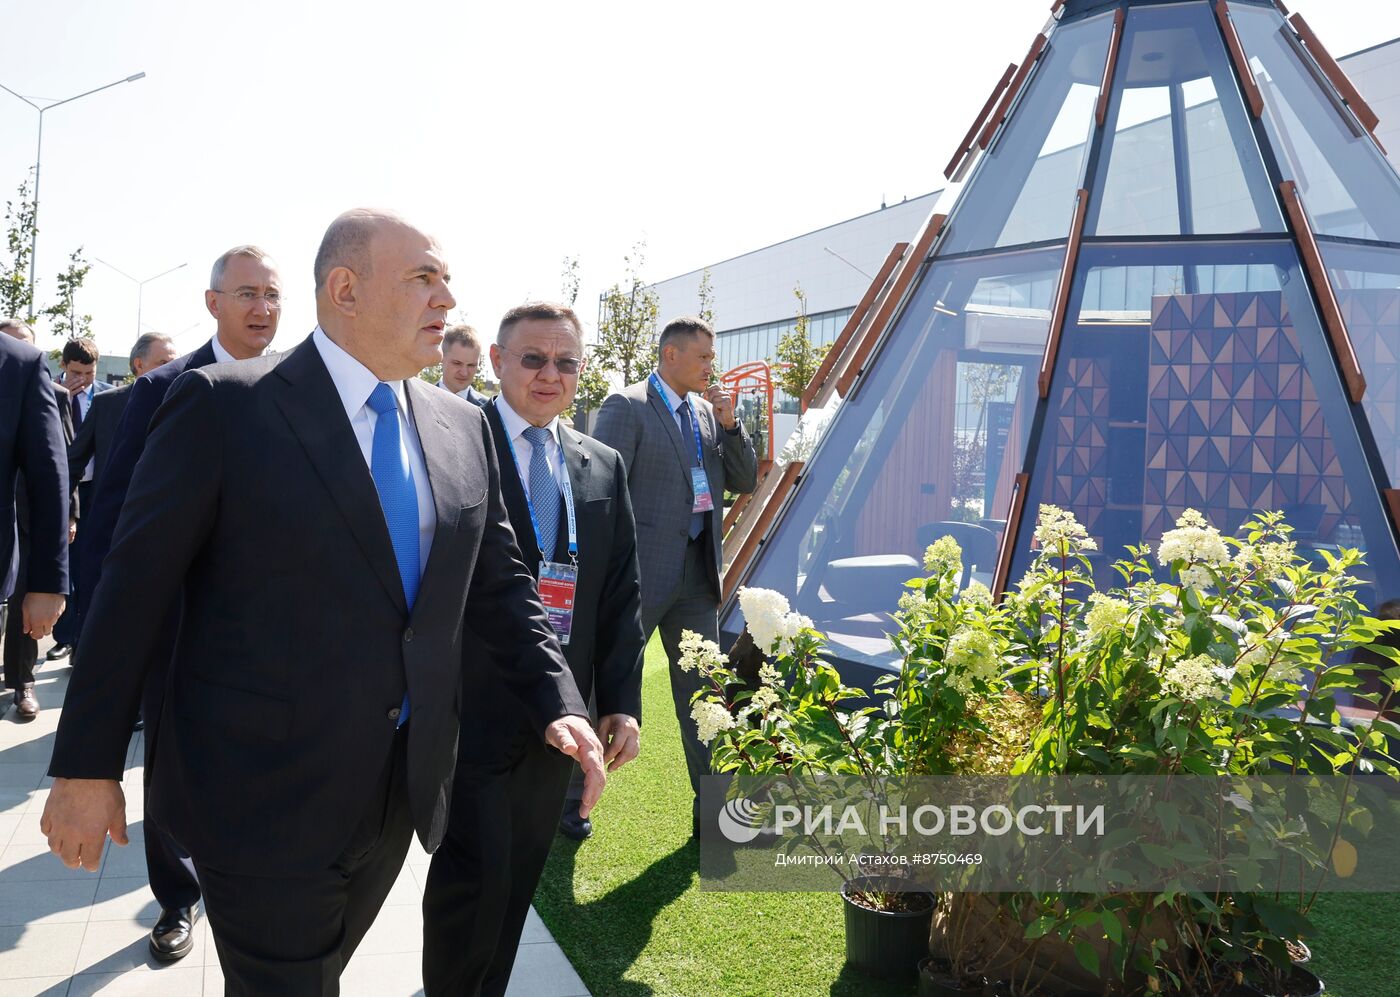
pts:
[1105, 613]
[943, 557]
[769, 674]
[1270, 653]
[764, 699]
[1267, 559]
[970, 658]
[711, 719]
[976, 594]
[699, 654]
[772, 624]
[1196, 542]
[1192, 679]
[1057, 530]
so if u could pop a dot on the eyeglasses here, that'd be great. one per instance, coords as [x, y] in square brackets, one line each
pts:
[246, 296]
[567, 366]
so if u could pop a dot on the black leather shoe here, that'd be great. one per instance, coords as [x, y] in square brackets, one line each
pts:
[140, 724]
[574, 827]
[173, 936]
[26, 705]
[58, 652]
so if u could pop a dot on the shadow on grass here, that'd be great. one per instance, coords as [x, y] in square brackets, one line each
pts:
[617, 926]
[852, 983]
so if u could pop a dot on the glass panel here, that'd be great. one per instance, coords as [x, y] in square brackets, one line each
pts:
[1347, 185]
[1179, 395]
[1023, 190]
[1366, 280]
[930, 444]
[1177, 157]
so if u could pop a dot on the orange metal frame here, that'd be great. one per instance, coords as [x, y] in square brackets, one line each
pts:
[1009, 535]
[1012, 91]
[1057, 315]
[954, 170]
[753, 378]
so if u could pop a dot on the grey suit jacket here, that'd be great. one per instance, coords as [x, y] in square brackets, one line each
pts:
[99, 430]
[637, 423]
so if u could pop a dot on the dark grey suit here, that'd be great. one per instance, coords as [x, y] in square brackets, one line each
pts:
[680, 577]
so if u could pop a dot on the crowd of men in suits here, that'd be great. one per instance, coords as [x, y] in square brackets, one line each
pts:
[350, 607]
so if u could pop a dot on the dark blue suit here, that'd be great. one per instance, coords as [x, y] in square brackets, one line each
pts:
[31, 440]
[70, 626]
[171, 872]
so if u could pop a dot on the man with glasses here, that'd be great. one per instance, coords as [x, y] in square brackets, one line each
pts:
[245, 298]
[461, 359]
[684, 448]
[569, 508]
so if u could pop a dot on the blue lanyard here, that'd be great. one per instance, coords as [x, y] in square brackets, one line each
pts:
[694, 422]
[564, 485]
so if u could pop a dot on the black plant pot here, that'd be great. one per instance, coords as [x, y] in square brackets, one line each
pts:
[1300, 982]
[882, 943]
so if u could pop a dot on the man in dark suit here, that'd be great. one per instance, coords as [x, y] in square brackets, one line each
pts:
[461, 359]
[93, 441]
[78, 362]
[245, 299]
[21, 651]
[332, 522]
[509, 788]
[683, 452]
[32, 452]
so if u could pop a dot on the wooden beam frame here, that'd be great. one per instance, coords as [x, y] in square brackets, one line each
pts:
[1336, 75]
[956, 167]
[1106, 85]
[842, 341]
[765, 520]
[1060, 309]
[922, 247]
[1392, 505]
[1010, 534]
[1326, 296]
[1013, 90]
[1246, 75]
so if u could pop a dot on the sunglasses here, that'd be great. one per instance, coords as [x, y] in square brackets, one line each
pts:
[535, 361]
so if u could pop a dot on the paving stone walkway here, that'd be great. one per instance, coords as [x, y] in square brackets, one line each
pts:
[70, 934]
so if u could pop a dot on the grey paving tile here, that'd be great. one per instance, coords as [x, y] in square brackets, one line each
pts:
[125, 898]
[39, 950]
[397, 975]
[39, 986]
[117, 947]
[535, 931]
[8, 824]
[542, 971]
[213, 979]
[404, 891]
[169, 981]
[24, 775]
[49, 902]
[122, 861]
[396, 930]
[24, 862]
[14, 800]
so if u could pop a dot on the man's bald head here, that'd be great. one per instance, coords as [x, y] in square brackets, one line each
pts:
[349, 240]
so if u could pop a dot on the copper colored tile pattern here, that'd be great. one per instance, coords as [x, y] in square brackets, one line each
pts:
[1080, 453]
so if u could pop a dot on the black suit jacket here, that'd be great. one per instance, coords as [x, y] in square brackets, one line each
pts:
[295, 644]
[606, 643]
[32, 442]
[95, 437]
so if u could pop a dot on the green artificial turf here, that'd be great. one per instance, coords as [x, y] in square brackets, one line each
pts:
[627, 909]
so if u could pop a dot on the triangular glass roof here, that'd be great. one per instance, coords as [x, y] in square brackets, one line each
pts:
[1213, 323]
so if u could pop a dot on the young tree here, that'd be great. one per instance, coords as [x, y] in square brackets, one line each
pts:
[707, 298]
[64, 320]
[16, 294]
[569, 281]
[626, 345]
[798, 357]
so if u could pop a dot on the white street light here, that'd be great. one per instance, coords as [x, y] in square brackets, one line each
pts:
[140, 285]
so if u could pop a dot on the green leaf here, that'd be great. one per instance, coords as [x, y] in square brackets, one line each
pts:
[1087, 956]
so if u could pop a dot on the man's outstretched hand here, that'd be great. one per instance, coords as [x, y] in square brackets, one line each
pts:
[574, 737]
[79, 815]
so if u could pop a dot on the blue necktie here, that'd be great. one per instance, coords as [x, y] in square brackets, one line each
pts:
[393, 479]
[544, 491]
[697, 519]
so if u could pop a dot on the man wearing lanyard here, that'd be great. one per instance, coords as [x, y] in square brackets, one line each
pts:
[569, 507]
[682, 454]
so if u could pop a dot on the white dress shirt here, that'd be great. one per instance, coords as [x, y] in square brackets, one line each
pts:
[221, 355]
[524, 449]
[84, 408]
[354, 382]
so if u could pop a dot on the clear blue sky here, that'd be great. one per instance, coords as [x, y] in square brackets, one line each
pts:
[519, 133]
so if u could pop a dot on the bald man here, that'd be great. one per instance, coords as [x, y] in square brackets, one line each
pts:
[331, 522]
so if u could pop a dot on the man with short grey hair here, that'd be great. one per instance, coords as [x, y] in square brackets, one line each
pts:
[151, 350]
[16, 329]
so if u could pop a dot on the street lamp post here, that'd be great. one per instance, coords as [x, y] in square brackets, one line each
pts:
[140, 286]
[38, 160]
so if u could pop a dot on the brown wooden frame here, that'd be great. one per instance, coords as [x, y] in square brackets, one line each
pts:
[1322, 285]
[1061, 306]
[912, 263]
[765, 519]
[1009, 535]
[1114, 42]
[1242, 70]
[1012, 91]
[954, 170]
[838, 347]
[1335, 75]
[1392, 505]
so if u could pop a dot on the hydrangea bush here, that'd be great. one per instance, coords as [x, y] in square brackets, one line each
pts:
[1214, 655]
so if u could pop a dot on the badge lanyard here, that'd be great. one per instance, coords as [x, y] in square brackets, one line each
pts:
[694, 422]
[565, 486]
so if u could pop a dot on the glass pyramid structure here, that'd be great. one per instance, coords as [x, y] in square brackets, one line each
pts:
[1170, 280]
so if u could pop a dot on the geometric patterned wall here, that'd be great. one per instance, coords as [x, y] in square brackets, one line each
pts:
[1081, 478]
[1373, 319]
